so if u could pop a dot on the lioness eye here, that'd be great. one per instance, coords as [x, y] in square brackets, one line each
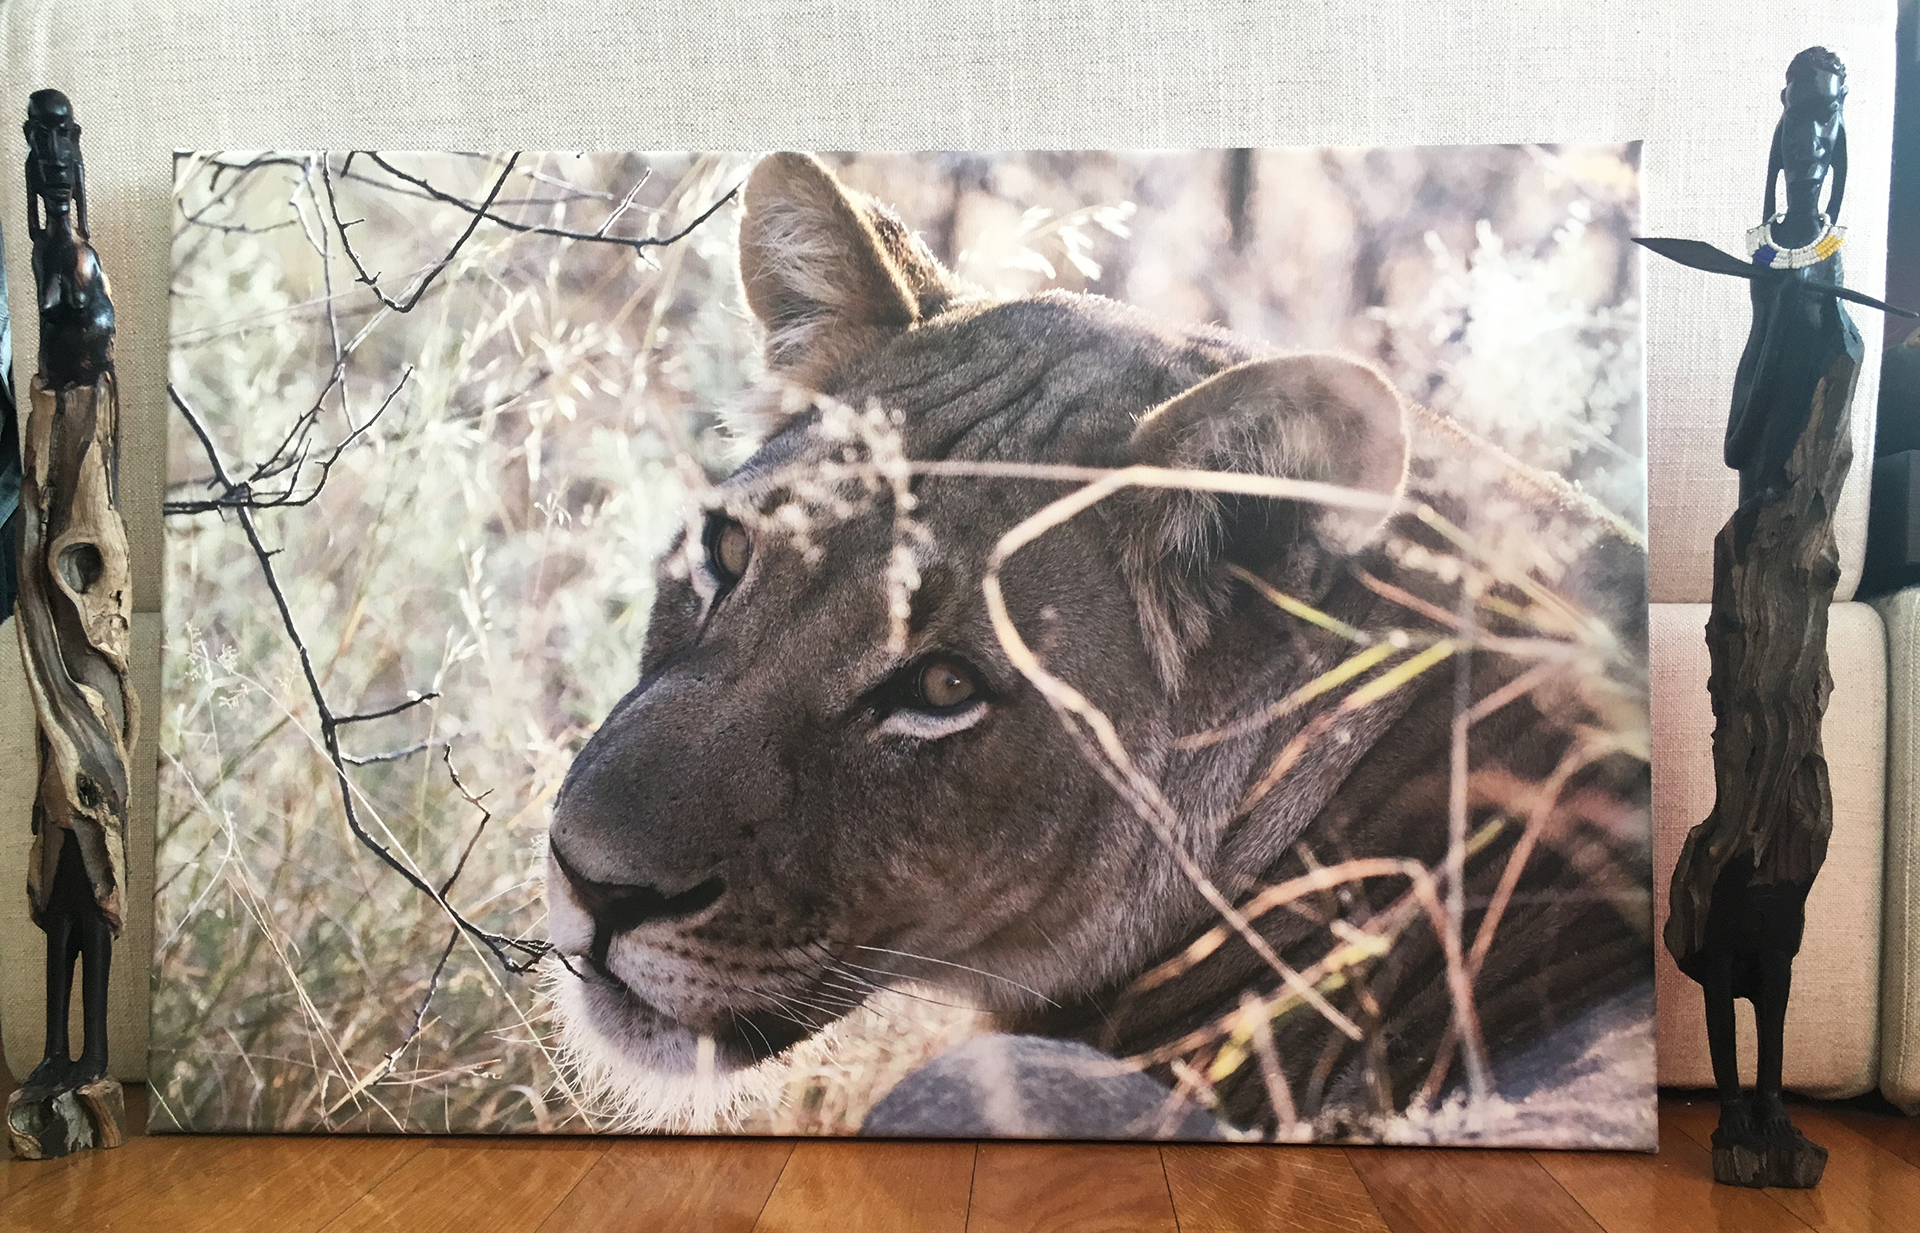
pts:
[943, 684]
[729, 547]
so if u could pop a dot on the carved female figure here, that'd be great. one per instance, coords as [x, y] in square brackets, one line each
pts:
[75, 603]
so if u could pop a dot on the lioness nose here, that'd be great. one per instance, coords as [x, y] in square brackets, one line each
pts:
[616, 908]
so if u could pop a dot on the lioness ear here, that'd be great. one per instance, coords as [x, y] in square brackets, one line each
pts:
[827, 270]
[1309, 417]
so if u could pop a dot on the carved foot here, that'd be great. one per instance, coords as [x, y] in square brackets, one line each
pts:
[49, 1076]
[1756, 1145]
[88, 1069]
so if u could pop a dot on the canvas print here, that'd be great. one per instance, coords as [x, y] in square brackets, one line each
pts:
[1104, 644]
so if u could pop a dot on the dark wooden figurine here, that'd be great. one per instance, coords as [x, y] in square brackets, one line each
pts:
[9, 456]
[75, 617]
[1740, 888]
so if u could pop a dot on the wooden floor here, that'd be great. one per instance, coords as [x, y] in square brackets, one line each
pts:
[283, 1185]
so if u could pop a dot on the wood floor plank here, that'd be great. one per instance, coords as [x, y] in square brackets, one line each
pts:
[1629, 1192]
[864, 1186]
[1893, 1131]
[1070, 1188]
[508, 1188]
[90, 1181]
[674, 1186]
[1255, 1188]
[1461, 1190]
[1866, 1188]
[159, 1185]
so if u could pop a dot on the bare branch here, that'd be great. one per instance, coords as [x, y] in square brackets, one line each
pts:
[392, 755]
[514, 954]
[372, 281]
[636, 243]
[411, 702]
[290, 456]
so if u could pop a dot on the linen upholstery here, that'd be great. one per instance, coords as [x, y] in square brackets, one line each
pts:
[1694, 81]
[1900, 962]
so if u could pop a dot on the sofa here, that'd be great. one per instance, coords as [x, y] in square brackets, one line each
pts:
[1698, 83]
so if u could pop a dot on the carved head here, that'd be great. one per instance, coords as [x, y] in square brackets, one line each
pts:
[56, 174]
[1811, 138]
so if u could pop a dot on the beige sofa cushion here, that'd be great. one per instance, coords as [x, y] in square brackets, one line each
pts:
[1832, 1022]
[1698, 82]
[1900, 967]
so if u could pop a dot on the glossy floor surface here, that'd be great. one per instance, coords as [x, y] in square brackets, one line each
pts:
[302, 1185]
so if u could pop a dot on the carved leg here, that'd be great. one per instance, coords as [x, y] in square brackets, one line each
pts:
[63, 948]
[1770, 1020]
[1756, 1144]
[1736, 1119]
[96, 949]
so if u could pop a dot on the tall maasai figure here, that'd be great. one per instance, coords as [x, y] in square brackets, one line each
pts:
[1740, 888]
[76, 605]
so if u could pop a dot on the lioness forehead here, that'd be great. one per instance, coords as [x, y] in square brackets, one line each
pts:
[1055, 378]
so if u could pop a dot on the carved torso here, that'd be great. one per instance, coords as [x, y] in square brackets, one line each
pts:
[76, 309]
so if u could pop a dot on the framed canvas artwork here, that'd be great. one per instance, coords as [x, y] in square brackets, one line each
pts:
[1087, 644]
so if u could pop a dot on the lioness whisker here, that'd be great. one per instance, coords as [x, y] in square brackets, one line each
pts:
[781, 1007]
[837, 968]
[764, 1042]
[948, 964]
[873, 990]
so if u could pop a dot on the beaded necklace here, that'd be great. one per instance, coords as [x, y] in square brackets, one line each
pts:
[1775, 257]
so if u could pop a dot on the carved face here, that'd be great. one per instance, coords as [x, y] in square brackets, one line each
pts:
[1811, 126]
[53, 144]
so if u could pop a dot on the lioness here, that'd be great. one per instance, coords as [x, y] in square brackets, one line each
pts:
[834, 777]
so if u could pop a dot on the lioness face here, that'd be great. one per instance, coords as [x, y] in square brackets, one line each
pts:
[831, 778]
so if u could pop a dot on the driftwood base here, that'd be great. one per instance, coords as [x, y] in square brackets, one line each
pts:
[1790, 1161]
[46, 1123]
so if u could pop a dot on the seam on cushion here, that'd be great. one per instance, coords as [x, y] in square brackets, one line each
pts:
[1898, 934]
[1874, 1063]
[1911, 743]
[1911, 749]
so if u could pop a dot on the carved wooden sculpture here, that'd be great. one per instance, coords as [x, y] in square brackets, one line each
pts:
[75, 610]
[1740, 887]
[9, 457]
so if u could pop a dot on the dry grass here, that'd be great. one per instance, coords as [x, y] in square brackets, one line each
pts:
[492, 536]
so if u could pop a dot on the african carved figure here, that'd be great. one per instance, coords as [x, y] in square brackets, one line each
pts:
[1740, 885]
[76, 308]
[75, 603]
[836, 774]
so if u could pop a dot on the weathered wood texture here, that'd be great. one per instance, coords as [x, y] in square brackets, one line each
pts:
[75, 622]
[1775, 567]
[43, 1125]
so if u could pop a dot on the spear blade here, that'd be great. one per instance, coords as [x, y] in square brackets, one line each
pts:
[1700, 255]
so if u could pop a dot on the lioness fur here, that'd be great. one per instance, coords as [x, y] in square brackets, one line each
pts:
[770, 825]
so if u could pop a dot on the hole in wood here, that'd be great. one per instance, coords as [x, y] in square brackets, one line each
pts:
[81, 566]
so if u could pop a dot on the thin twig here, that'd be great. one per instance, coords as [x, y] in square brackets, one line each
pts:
[392, 755]
[484, 210]
[503, 948]
[372, 281]
[241, 495]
